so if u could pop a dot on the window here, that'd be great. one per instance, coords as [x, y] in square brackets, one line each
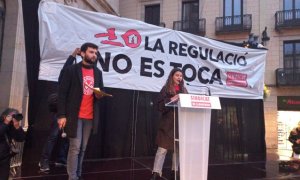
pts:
[152, 14]
[233, 11]
[292, 55]
[190, 16]
[190, 11]
[291, 4]
[293, 9]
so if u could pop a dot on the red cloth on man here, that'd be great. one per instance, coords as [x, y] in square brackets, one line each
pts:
[86, 108]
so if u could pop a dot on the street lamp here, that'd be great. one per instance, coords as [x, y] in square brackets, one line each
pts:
[265, 37]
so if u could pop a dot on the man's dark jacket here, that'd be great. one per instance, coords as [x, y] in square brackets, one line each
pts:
[70, 95]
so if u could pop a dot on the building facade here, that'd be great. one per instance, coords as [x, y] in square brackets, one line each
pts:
[227, 20]
[275, 23]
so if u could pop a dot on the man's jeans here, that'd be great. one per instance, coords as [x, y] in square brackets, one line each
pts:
[160, 159]
[77, 148]
[51, 142]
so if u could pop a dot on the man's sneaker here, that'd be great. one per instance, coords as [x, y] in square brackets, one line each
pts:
[60, 164]
[44, 167]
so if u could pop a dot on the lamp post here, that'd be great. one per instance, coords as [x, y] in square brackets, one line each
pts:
[265, 37]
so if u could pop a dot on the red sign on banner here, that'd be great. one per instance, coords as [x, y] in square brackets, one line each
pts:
[200, 101]
[131, 38]
[236, 79]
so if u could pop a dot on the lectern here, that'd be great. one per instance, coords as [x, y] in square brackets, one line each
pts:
[194, 113]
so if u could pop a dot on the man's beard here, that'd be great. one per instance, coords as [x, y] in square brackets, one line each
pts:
[89, 61]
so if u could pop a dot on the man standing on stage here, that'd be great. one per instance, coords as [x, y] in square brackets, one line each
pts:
[78, 109]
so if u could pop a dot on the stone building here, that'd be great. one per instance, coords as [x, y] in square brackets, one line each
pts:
[227, 20]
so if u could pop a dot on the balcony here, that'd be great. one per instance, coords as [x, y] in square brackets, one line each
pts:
[229, 24]
[287, 19]
[287, 77]
[196, 27]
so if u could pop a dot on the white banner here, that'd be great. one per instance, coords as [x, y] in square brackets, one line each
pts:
[139, 56]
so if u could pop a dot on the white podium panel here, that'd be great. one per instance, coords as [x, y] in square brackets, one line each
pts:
[194, 132]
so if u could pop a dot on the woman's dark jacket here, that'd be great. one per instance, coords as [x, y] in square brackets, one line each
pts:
[70, 93]
[12, 133]
[165, 133]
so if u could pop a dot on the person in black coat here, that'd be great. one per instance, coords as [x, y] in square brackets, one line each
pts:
[54, 130]
[78, 106]
[165, 134]
[10, 128]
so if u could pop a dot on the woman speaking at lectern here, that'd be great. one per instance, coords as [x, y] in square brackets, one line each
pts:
[165, 133]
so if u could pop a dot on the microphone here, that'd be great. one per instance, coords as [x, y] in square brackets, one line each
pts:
[63, 134]
[205, 87]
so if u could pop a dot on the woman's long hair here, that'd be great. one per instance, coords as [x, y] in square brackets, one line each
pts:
[170, 85]
[8, 111]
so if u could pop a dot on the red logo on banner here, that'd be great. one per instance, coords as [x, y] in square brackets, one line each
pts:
[236, 79]
[200, 101]
[131, 38]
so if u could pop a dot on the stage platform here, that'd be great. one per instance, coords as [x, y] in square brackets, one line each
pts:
[140, 169]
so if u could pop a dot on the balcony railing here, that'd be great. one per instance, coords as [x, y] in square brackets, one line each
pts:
[230, 24]
[287, 19]
[195, 27]
[288, 77]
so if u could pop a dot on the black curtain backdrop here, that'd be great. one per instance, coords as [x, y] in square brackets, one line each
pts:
[238, 131]
[129, 120]
[31, 28]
